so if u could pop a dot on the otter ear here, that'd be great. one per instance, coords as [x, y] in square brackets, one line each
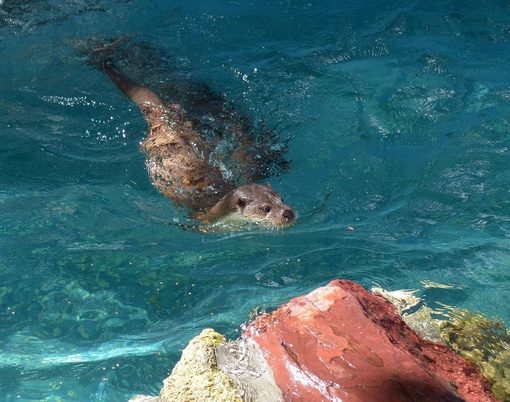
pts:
[268, 185]
[241, 202]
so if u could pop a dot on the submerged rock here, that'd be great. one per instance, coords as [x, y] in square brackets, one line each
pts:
[420, 320]
[342, 342]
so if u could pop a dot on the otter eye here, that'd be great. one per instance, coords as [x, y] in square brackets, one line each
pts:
[267, 209]
[241, 202]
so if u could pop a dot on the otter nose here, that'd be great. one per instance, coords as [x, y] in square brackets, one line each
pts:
[288, 214]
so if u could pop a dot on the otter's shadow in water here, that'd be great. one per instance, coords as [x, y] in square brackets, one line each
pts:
[201, 152]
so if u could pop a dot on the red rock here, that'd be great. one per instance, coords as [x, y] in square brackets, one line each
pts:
[344, 343]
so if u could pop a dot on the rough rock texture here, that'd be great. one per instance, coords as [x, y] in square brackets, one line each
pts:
[342, 342]
[196, 376]
[213, 370]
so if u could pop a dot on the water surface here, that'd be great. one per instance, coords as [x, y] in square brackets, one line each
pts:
[399, 123]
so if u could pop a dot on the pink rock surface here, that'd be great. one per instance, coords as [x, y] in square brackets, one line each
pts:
[343, 343]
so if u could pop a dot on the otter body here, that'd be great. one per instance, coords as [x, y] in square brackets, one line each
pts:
[182, 165]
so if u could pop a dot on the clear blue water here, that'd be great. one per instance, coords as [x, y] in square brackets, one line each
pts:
[399, 118]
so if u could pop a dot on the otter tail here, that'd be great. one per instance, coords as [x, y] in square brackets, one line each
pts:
[140, 95]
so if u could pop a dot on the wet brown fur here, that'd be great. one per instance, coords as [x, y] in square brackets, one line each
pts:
[181, 167]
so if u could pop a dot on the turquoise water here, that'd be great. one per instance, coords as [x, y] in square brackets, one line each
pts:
[399, 123]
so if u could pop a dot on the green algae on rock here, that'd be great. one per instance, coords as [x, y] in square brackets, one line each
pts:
[483, 341]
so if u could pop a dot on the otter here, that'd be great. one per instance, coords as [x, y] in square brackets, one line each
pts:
[181, 165]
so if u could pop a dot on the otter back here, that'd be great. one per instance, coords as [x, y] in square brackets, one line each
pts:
[178, 160]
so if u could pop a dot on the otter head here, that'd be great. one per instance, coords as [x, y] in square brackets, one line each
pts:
[254, 203]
